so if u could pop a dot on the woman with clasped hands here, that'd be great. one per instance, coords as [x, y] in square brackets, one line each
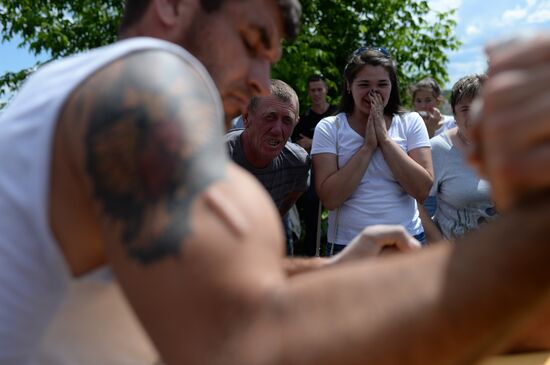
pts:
[372, 161]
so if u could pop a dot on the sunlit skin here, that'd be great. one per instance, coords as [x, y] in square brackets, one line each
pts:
[268, 129]
[224, 295]
[251, 44]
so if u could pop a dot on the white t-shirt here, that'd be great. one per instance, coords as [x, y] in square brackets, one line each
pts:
[463, 198]
[448, 123]
[379, 198]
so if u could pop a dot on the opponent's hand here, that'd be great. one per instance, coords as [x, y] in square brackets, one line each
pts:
[512, 131]
[375, 240]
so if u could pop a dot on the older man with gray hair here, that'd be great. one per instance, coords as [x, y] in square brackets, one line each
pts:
[263, 147]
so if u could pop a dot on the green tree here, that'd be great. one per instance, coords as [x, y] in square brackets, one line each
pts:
[331, 30]
[56, 28]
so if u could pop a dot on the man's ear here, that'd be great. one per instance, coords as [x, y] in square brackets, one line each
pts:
[175, 12]
[246, 120]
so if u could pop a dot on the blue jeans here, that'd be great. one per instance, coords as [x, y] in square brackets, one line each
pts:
[421, 237]
[289, 236]
[430, 204]
[333, 249]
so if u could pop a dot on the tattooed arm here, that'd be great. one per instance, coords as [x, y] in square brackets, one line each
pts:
[178, 222]
[197, 246]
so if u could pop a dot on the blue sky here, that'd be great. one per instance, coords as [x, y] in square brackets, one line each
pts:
[14, 58]
[481, 21]
[478, 22]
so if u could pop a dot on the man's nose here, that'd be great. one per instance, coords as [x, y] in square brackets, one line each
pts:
[259, 77]
[278, 127]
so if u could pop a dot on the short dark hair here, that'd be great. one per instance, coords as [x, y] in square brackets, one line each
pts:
[133, 11]
[370, 57]
[315, 78]
[281, 90]
[427, 84]
[291, 11]
[468, 87]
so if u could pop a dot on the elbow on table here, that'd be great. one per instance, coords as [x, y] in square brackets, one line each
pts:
[246, 329]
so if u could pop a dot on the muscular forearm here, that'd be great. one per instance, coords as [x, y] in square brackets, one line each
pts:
[535, 333]
[447, 305]
[339, 186]
[293, 266]
[409, 174]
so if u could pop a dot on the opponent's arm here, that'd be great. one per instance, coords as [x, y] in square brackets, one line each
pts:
[514, 152]
[512, 134]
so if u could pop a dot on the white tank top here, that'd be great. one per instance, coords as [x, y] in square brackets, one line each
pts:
[34, 278]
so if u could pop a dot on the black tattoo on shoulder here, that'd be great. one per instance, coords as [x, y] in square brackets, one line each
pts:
[154, 141]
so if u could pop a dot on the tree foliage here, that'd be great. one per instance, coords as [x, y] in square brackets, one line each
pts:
[57, 28]
[331, 30]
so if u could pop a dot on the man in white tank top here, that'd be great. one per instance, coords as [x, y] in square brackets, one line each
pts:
[116, 157]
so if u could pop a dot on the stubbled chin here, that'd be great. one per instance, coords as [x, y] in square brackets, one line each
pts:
[273, 151]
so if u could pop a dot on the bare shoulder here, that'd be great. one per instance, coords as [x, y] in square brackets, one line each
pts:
[186, 232]
[146, 135]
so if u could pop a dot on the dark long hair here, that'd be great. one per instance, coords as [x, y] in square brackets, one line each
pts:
[372, 57]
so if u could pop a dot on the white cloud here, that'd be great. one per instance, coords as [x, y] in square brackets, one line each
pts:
[513, 15]
[472, 30]
[480, 22]
[439, 6]
[540, 13]
[444, 5]
[534, 12]
[539, 17]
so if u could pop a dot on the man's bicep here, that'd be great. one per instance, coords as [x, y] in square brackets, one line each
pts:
[151, 142]
[178, 222]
